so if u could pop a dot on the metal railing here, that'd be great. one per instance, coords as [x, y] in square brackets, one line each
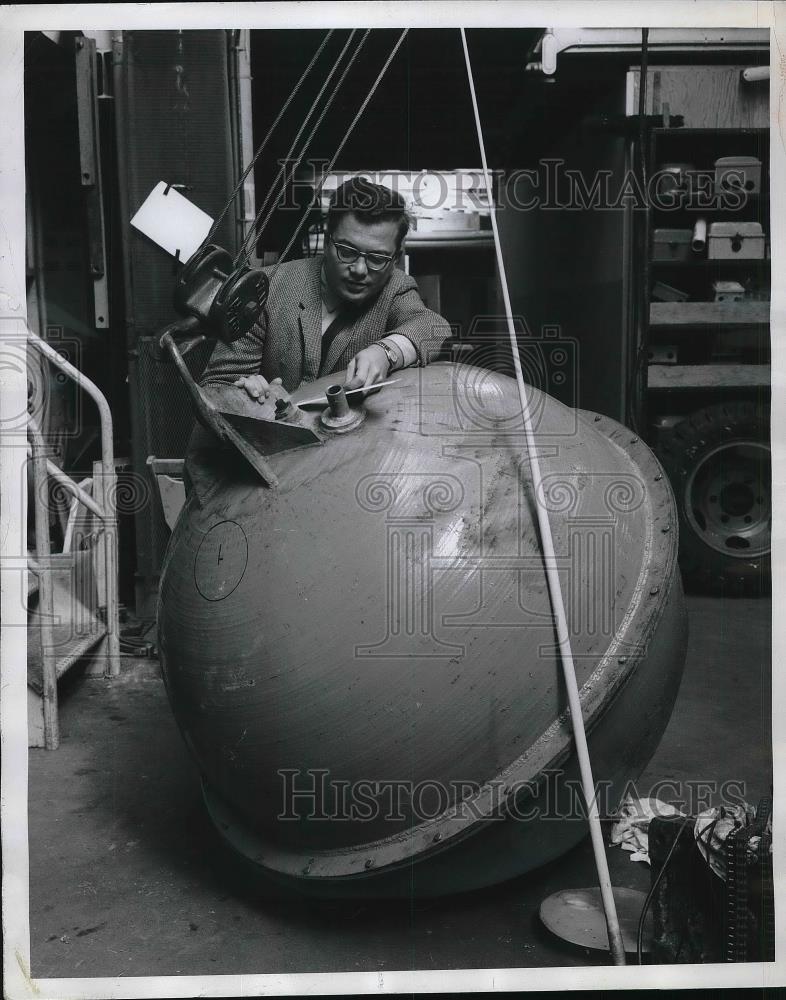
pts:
[40, 566]
[102, 503]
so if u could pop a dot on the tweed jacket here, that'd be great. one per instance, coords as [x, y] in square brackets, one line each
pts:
[287, 340]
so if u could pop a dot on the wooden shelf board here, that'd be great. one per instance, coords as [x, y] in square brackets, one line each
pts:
[759, 211]
[728, 130]
[707, 376]
[708, 263]
[709, 313]
[443, 241]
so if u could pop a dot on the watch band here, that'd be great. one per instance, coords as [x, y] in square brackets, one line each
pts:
[392, 355]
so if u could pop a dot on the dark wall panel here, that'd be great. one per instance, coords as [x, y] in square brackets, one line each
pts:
[173, 125]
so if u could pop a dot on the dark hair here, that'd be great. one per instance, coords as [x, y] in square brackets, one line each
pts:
[369, 202]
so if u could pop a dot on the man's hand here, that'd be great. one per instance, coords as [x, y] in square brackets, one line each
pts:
[368, 367]
[256, 386]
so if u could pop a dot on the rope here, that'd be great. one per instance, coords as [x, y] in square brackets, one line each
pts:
[256, 229]
[552, 576]
[279, 116]
[347, 134]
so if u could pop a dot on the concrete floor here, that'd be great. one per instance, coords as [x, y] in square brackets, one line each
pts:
[126, 878]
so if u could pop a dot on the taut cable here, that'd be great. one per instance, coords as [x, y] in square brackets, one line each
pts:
[279, 116]
[258, 228]
[347, 134]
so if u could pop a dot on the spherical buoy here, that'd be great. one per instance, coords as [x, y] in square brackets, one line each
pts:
[362, 660]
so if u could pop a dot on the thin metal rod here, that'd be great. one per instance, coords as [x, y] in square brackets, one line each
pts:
[552, 576]
[76, 491]
[73, 510]
[241, 62]
[107, 510]
[46, 599]
[347, 392]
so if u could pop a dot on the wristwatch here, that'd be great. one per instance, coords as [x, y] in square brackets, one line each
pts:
[393, 358]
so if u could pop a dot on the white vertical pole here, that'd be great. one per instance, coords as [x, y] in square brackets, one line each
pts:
[552, 577]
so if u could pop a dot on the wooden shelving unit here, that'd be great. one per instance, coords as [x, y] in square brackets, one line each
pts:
[701, 375]
[697, 332]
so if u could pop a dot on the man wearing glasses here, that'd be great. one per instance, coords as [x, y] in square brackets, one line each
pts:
[350, 310]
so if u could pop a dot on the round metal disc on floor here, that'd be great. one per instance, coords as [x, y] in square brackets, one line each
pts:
[576, 915]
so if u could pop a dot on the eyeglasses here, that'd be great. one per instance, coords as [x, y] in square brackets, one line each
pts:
[374, 261]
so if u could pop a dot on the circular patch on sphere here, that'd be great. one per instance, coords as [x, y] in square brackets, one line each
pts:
[221, 561]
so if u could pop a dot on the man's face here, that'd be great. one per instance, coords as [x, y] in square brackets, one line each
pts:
[355, 283]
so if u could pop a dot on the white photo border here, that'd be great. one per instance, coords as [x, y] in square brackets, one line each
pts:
[14, 20]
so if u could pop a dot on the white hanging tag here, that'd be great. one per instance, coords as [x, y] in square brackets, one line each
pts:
[172, 221]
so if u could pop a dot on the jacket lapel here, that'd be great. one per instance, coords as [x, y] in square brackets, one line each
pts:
[311, 320]
[366, 319]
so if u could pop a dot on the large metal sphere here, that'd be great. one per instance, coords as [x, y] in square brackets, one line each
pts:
[362, 660]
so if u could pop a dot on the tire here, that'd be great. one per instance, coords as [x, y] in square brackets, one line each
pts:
[718, 461]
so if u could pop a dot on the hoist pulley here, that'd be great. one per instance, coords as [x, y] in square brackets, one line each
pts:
[227, 300]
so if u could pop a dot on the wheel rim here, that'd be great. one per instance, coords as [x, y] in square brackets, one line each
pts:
[728, 499]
